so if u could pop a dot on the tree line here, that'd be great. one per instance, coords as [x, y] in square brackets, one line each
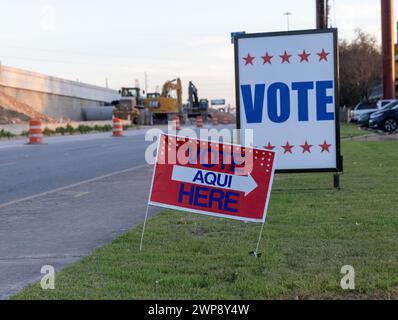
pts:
[360, 68]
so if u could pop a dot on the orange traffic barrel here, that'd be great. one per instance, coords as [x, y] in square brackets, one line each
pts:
[214, 121]
[225, 120]
[117, 130]
[35, 132]
[199, 121]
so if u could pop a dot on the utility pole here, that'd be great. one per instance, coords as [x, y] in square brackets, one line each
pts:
[146, 82]
[322, 13]
[288, 14]
[387, 38]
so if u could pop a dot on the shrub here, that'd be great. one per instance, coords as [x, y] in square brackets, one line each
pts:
[60, 130]
[103, 128]
[84, 129]
[69, 129]
[48, 132]
[6, 134]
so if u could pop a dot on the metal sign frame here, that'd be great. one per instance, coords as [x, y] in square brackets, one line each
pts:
[339, 159]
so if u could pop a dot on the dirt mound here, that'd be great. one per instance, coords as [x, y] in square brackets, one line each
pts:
[11, 117]
[13, 111]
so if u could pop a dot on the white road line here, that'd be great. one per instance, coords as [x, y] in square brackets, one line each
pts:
[80, 194]
[6, 164]
[8, 146]
[72, 186]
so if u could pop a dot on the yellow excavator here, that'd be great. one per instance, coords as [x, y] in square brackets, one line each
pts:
[166, 105]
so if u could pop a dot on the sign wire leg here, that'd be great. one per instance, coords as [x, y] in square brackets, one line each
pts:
[255, 252]
[143, 227]
[146, 218]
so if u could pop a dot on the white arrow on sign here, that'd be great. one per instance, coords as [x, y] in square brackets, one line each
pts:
[244, 184]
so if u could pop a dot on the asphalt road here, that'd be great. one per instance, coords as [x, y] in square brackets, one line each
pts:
[60, 201]
[26, 170]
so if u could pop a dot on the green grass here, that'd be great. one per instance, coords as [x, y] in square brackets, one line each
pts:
[310, 233]
[348, 130]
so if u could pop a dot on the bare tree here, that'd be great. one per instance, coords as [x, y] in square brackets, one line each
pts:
[360, 67]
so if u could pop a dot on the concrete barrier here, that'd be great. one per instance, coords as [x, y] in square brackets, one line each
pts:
[52, 96]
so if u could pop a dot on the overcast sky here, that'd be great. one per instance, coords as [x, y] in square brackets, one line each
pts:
[122, 39]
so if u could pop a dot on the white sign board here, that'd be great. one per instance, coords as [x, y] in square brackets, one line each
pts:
[287, 92]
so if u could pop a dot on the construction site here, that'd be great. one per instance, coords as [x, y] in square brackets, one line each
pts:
[57, 102]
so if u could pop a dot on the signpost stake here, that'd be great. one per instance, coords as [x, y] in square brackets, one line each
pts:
[255, 253]
[336, 181]
[143, 227]
[147, 204]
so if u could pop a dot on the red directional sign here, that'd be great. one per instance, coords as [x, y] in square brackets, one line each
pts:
[216, 179]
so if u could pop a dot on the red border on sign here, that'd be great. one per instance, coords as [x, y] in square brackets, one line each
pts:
[253, 202]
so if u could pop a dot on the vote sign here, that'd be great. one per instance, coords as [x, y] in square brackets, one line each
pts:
[216, 179]
[287, 93]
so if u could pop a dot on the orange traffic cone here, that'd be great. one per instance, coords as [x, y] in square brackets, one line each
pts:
[225, 120]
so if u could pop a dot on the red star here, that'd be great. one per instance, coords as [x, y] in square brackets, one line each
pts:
[267, 58]
[325, 146]
[287, 147]
[323, 55]
[285, 57]
[248, 60]
[306, 147]
[269, 146]
[304, 56]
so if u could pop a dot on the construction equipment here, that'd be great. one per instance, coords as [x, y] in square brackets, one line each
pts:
[168, 104]
[129, 104]
[196, 107]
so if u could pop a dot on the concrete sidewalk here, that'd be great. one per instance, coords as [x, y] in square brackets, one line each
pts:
[62, 226]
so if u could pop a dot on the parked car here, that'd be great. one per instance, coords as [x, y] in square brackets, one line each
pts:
[383, 102]
[361, 108]
[364, 118]
[385, 119]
